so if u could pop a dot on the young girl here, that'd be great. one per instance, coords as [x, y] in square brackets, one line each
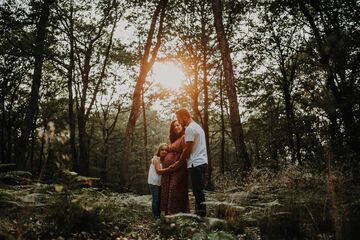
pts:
[154, 179]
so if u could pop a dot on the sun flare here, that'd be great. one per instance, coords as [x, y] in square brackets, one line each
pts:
[168, 75]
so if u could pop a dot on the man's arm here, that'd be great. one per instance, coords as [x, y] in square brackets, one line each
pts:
[183, 157]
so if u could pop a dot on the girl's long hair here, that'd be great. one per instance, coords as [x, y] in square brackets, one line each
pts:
[173, 136]
[159, 148]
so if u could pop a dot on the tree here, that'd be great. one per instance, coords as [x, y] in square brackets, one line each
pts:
[236, 125]
[277, 44]
[145, 67]
[88, 45]
[194, 36]
[15, 65]
[334, 38]
[70, 76]
[36, 82]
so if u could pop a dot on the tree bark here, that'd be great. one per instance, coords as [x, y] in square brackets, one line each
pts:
[35, 87]
[195, 94]
[70, 76]
[145, 131]
[83, 144]
[145, 67]
[32, 151]
[222, 150]
[41, 154]
[3, 126]
[273, 148]
[204, 50]
[289, 116]
[235, 121]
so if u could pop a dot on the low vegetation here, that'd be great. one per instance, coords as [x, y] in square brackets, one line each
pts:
[290, 205]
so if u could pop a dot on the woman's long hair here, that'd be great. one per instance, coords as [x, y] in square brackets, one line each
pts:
[173, 136]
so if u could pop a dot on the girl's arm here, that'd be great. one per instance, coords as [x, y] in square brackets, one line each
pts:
[158, 168]
[175, 166]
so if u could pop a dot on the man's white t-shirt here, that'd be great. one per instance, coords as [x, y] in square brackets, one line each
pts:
[194, 133]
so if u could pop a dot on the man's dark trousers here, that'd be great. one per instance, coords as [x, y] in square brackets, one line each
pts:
[197, 175]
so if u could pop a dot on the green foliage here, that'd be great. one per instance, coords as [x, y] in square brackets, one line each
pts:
[212, 236]
[186, 226]
[15, 177]
[73, 217]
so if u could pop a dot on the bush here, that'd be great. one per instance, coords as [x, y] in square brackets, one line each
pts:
[68, 216]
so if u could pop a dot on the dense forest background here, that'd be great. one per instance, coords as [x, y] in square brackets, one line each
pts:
[274, 84]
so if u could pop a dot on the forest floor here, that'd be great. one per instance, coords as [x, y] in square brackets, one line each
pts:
[300, 207]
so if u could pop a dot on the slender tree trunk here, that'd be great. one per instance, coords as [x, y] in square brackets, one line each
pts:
[104, 165]
[195, 96]
[236, 125]
[210, 184]
[9, 143]
[204, 43]
[35, 87]
[83, 147]
[273, 147]
[33, 144]
[145, 131]
[257, 150]
[72, 120]
[289, 119]
[144, 69]
[2, 130]
[83, 144]
[222, 155]
[90, 138]
[41, 154]
[334, 149]
[298, 146]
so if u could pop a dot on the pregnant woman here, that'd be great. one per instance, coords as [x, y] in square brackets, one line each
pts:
[174, 185]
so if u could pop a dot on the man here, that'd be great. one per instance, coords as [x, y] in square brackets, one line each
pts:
[196, 155]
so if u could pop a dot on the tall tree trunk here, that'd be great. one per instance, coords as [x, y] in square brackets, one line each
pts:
[298, 145]
[35, 87]
[222, 155]
[289, 118]
[3, 127]
[105, 152]
[83, 144]
[273, 146]
[41, 154]
[32, 151]
[83, 147]
[145, 67]
[235, 121]
[204, 50]
[257, 150]
[195, 94]
[145, 131]
[9, 143]
[70, 76]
